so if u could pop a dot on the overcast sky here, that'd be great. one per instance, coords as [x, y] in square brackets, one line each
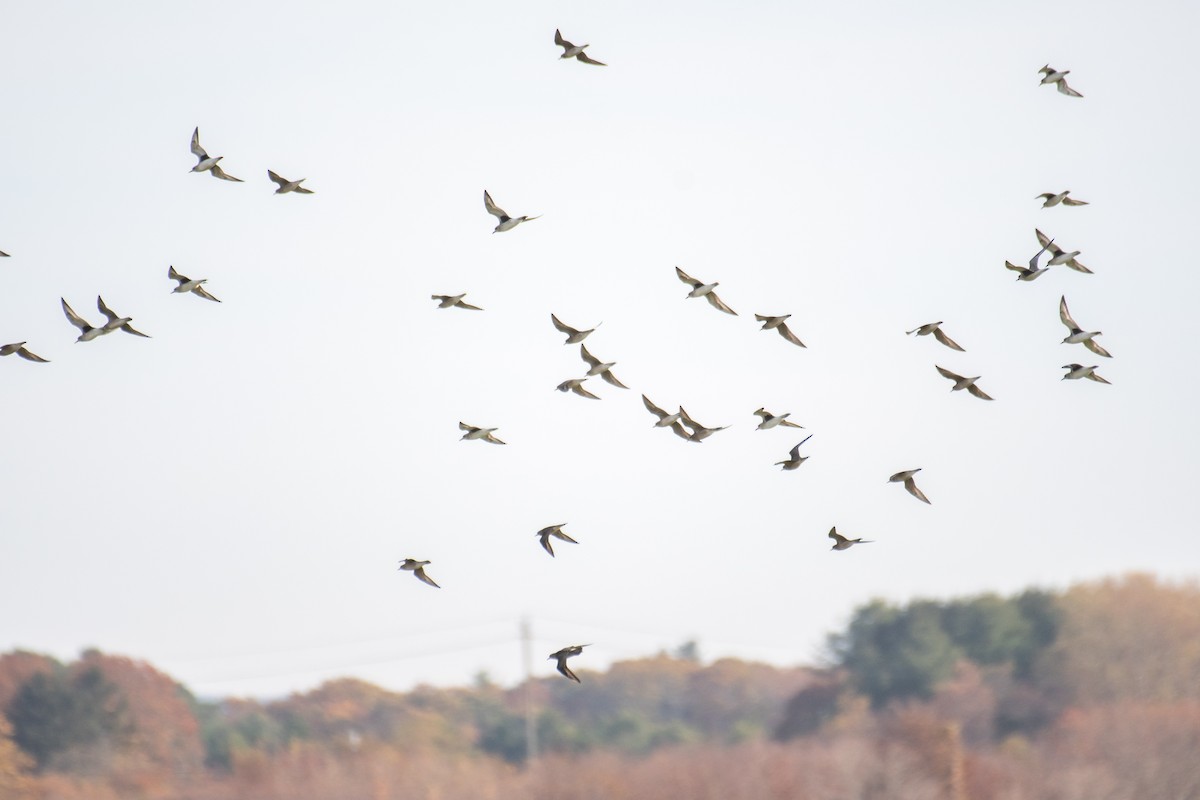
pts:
[230, 498]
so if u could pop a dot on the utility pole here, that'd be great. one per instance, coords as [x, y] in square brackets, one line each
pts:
[531, 744]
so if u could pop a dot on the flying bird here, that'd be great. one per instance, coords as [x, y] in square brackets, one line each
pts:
[909, 483]
[1034, 270]
[770, 420]
[206, 163]
[795, 459]
[1077, 371]
[575, 51]
[556, 531]
[936, 329]
[187, 284]
[473, 432]
[286, 186]
[779, 324]
[116, 321]
[418, 568]
[87, 330]
[1078, 335]
[1060, 256]
[963, 383]
[453, 301]
[597, 367]
[705, 290]
[699, 433]
[20, 350]
[576, 385]
[665, 420]
[842, 543]
[574, 336]
[1052, 75]
[3, 254]
[561, 657]
[507, 223]
[1053, 199]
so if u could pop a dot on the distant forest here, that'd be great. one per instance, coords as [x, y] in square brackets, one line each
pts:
[1088, 694]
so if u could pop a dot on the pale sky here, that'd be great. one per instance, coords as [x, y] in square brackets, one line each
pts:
[229, 499]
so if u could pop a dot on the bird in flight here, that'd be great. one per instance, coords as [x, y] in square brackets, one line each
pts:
[936, 329]
[1052, 75]
[1051, 199]
[574, 336]
[116, 321]
[1077, 371]
[186, 284]
[963, 383]
[699, 432]
[576, 385]
[1060, 256]
[598, 367]
[770, 420]
[418, 569]
[473, 432]
[910, 484]
[561, 657]
[1034, 270]
[779, 324]
[795, 459]
[206, 163]
[286, 186]
[87, 331]
[507, 223]
[453, 301]
[842, 543]
[1078, 335]
[665, 420]
[20, 350]
[556, 531]
[705, 290]
[575, 51]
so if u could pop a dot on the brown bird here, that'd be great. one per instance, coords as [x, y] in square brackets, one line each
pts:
[561, 657]
[574, 335]
[19, 349]
[601, 368]
[778, 323]
[418, 568]
[936, 329]
[911, 485]
[963, 383]
[842, 543]
[556, 531]
[576, 385]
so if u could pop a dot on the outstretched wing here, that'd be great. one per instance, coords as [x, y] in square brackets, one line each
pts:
[591, 360]
[911, 485]
[1065, 315]
[786, 333]
[281, 181]
[105, 310]
[493, 209]
[223, 175]
[945, 373]
[718, 304]
[975, 390]
[423, 578]
[73, 318]
[837, 537]
[582, 392]
[197, 150]
[200, 291]
[946, 340]
[1067, 201]
[588, 60]
[610, 378]
[1094, 346]
[688, 279]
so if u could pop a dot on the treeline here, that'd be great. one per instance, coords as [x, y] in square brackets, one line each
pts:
[1093, 692]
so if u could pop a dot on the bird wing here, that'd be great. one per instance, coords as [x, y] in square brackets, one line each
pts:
[680, 432]
[716, 303]
[653, 409]
[1067, 201]
[1094, 346]
[1067, 90]
[687, 420]
[567, 329]
[786, 333]
[175, 276]
[610, 378]
[946, 340]
[1075, 265]
[468, 306]
[789, 424]
[493, 209]
[560, 535]
[975, 390]
[105, 310]
[688, 279]
[423, 578]
[130, 329]
[546, 543]
[837, 537]
[1093, 376]
[197, 150]
[494, 440]
[73, 318]
[1014, 267]
[462, 426]
[560, 41]
[945, 373]
[281, 181]
[201, 291]
[582, 392]
[217, 172]
[1065, 315]
[565, 670]
[911, 485]
[28, 356]
[591, 360]
[1042, 238]
[302, 190]
[585, 58]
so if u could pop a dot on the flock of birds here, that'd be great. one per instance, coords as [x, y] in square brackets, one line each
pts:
[679, 422]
